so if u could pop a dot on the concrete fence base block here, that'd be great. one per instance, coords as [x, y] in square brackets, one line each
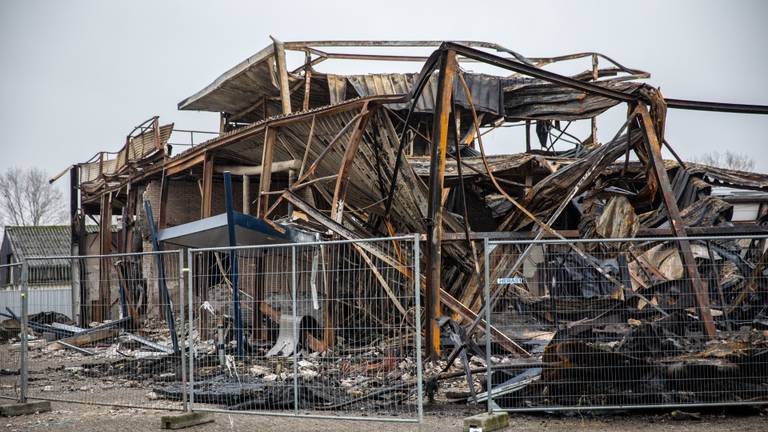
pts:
[486, 422]
[185, 420]
[18, 409]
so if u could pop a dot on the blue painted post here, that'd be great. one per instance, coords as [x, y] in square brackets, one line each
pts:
[233, 271]
[161, 277]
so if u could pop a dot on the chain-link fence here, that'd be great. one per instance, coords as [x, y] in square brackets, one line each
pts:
[332, 329]
[628, 323]
[113, 336]
[10, 330]
[325, 329]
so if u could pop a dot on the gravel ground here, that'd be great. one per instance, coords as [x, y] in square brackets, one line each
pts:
[85, 418]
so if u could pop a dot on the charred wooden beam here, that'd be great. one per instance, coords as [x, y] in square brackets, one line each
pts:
[265, 181]
[307, 82]
[207, 195]
[342, 181]
[653, 147]
[435, 209]
[282, 75]
[105, 248]
[164, 184]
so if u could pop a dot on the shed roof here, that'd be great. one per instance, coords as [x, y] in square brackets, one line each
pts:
[46, 240]
[42, 241]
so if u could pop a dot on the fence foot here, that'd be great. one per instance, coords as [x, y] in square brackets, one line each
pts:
[486, 422]
[18, 409]
[185, 420]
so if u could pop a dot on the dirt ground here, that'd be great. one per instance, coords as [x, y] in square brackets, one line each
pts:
[85, 418]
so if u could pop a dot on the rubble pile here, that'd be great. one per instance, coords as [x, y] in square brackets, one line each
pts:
[639, 340]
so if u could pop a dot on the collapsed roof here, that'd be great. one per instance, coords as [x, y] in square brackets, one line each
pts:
[357, 156]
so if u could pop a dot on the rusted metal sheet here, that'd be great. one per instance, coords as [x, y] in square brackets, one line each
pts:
[239, 88]
[487, 93]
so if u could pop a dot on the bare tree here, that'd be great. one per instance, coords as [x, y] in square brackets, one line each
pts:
[26, 198]
[729, 159]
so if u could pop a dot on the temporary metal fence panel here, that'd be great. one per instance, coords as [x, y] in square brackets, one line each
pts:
[323, 329]
[121, 342]
[10, 330]
[616, 324]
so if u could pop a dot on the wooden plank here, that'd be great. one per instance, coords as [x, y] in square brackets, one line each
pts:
[307, 82]
[185, 420]
[79, 340]
[26, 408]
[173, 168]
[282, 75]
[342, 181]
[208, 167]
[265, 181]
[161, 218]
[105, 248]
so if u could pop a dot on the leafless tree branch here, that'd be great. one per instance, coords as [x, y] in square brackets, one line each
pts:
[26, 198]
[729, 159]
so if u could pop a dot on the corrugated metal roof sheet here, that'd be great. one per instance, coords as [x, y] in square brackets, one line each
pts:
[30, 241]
[252, 76]
[487, 94]
[238, 90]
[138, 149]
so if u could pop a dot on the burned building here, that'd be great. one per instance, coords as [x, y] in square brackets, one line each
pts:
[305, 155]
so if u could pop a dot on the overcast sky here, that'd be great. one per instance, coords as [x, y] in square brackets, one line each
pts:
[76, 76]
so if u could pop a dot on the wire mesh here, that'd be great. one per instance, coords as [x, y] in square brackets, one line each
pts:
[112, 338]
[617, 324]
[325, 329]
[10, 328]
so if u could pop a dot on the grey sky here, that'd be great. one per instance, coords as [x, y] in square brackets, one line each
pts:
[76, 76]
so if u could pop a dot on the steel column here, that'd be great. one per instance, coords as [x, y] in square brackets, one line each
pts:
[435, 210]
[233, 270]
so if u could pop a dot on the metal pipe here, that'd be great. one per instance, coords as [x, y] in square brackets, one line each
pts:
[280, 166]
[190, 342]
[487, 289]
[220, 341]
[417, 312]
[246, 194]
[182, 327]
[24, 355]
[294, 305]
